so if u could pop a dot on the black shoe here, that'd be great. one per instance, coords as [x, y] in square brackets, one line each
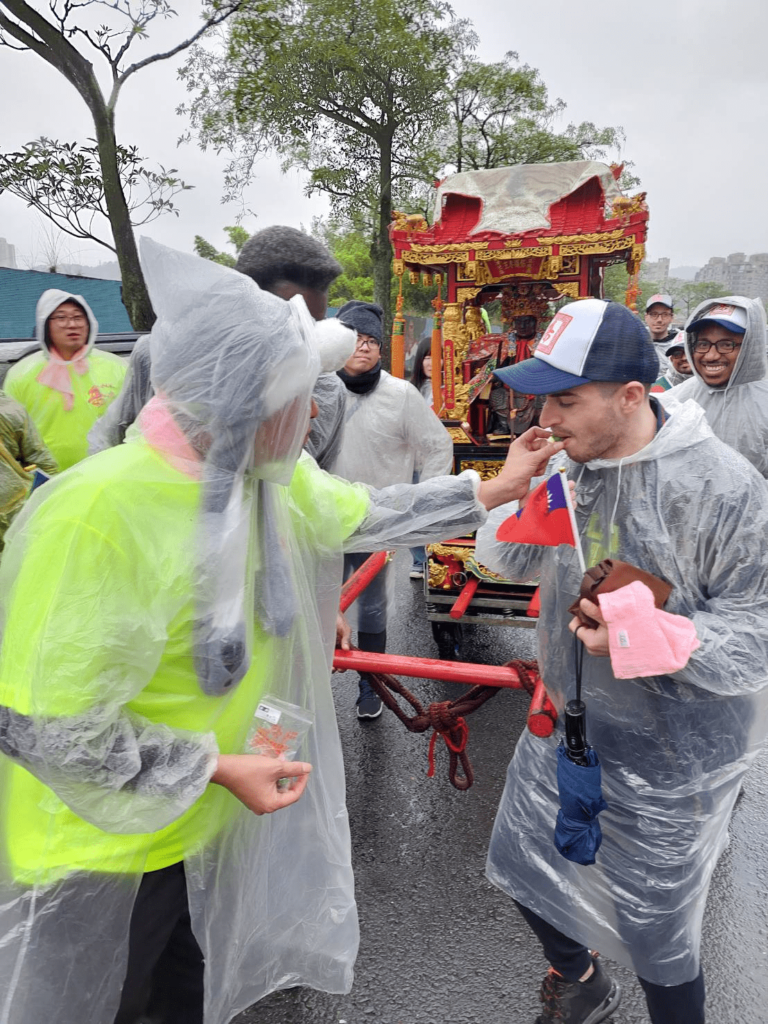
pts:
[369, 702]
[578, 1002]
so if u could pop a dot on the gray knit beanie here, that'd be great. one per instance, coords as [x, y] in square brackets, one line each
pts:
[363, 317]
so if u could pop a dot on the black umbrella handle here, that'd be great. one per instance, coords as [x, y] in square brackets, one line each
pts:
[576, 744]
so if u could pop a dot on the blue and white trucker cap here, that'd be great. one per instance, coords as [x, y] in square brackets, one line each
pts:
[586, 341]
[732, 318]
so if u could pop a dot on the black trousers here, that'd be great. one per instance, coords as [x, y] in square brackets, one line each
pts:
[164, 978]
[672, 1004]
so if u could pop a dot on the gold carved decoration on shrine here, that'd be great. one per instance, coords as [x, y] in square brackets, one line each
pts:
[597, 236]
[449, 551]
[636, 259]
[437, 575]
[467, 294]
[569, 288]
[469, 270]
[414, 276]
[437, 257]
[461, 392]
[473, 320]
[409, 222]
[596, 248]
[486, 469]
[513, 254]
[457, 435]
[398, 267]
[625, 206]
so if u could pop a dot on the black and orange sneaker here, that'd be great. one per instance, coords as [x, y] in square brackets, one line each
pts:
[578, 1002]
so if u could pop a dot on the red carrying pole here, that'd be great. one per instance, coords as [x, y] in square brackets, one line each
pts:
[461, 603]
[427, 668]
[541, 714]
[361, 577]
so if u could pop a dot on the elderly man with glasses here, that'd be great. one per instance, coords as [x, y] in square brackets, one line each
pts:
[68, 385]
[389, 433]
[726, 347]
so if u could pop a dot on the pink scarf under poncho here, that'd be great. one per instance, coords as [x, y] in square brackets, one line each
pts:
[55, 373]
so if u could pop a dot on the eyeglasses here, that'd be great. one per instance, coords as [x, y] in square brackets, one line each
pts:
[723, 347]
[366, 343]
[663, 316]
[77, 319]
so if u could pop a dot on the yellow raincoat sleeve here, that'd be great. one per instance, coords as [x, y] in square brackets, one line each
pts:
[363, 518]
[85, 629]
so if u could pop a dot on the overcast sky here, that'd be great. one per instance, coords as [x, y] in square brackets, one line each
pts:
[686, 79]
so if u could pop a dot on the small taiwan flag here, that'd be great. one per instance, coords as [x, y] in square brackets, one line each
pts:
[547, 517]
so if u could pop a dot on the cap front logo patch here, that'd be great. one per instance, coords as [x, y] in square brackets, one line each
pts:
[721, 310]
[556, 327]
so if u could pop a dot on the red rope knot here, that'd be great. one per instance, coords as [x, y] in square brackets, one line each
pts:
[446, 718]
[448, 723]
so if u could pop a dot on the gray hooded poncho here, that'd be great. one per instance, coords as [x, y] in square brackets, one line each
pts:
[673, 749]
[737, 412]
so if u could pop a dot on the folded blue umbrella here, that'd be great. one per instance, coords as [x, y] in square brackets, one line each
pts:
[577, 833]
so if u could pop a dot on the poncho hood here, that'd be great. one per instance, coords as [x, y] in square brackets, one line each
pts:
[51, 300]
[752, 361]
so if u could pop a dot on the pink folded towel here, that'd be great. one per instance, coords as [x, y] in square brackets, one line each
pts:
[645, 640]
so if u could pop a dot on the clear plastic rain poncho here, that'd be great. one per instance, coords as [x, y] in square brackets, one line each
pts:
[673, 749]
[151, 596]
[737, 412]
[326, 429]
[136, 392]
[390, 433]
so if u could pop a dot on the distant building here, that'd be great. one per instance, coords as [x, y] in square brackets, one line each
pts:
[20, 290]
[7, 254]
[657, 272]
[739, 274]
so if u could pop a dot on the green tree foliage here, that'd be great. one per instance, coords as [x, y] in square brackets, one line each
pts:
[67, 40]
[375, 101]
[350, 92]
[501, 114]
[63, 181]
[686, 295]
[351, 246]
[238, 236]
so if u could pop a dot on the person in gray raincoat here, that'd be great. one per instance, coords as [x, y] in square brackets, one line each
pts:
[726, 348]
[663, 493]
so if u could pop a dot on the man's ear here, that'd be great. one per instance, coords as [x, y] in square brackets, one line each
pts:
[632, 396]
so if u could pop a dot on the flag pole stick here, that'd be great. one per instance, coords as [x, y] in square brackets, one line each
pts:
[572, 517]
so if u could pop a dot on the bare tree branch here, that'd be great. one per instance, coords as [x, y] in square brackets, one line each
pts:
[211, 22]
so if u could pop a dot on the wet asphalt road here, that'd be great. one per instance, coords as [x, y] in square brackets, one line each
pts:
[440, 945]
